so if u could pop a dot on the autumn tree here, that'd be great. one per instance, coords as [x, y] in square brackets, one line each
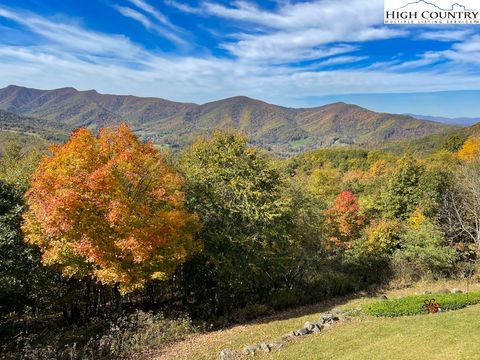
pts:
[109, 207]
[382, 236]
[344, 221]
[325, 184]
[470, 150]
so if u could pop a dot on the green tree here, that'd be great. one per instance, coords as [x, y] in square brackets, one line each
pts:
[23, 279]
[325, 183]
[424, 251]
[403, 190]
[246, 217]
[17, 164]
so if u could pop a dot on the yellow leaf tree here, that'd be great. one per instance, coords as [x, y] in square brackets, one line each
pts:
[109, 207]
[470, 151]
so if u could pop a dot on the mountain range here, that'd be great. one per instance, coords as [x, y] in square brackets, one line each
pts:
[460, 121]
[51, 113]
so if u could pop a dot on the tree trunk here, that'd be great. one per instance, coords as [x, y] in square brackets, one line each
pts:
[118, 298]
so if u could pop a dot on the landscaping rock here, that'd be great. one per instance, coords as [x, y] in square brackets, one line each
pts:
[326, 318]
[287, 337]
[277, 345]
[329, 318]
[227, 354]
[317, 329]
[301, 332]
[266, 347]
[310, 326]
[250, 349]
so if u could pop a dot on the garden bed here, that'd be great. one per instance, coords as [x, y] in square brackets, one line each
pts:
[413, 305]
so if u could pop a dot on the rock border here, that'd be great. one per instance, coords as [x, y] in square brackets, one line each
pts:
[327, 319]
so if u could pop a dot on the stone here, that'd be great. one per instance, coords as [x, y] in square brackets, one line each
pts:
[250, 349]
[383, 297]
[317, 329]
[329, 318]
[457, 291]
[266, 347]
[287, 337]
[227, 354]
[301, 332]
[443, 291]
[427, 292]
[326, 318]
[277, 344]
[310, 326]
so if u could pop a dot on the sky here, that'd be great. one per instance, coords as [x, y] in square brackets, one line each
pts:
[290, 53]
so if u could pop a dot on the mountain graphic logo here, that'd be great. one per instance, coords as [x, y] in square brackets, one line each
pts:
[435, 12]
[423, 2]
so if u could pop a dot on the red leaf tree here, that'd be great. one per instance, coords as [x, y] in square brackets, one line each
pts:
[343, 221]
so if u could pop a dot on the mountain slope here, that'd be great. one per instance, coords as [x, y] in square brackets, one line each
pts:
[451, 140]
[351, 124]
[10, 122]
[461, 121]
[177, 124]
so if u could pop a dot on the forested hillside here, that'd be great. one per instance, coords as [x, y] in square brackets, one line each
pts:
[283, 130]
[106, 232]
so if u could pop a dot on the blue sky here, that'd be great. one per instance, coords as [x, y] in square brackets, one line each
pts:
[291, 53]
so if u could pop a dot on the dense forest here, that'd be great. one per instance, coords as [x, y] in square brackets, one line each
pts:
[109, 245]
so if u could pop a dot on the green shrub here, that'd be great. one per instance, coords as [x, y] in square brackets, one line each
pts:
[423, 253]
[119, 339]
[413, 305]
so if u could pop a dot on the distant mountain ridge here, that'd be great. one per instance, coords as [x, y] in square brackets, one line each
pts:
[176, 124]
[461, 121]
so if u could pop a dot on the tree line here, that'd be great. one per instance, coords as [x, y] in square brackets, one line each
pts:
[106, 223]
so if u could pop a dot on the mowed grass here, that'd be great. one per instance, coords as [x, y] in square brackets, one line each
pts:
[451, 335]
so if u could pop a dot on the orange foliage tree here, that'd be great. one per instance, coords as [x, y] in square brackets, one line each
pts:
[109, 207]
[343, 220]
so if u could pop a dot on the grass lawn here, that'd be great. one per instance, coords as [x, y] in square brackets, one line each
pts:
[452, 335]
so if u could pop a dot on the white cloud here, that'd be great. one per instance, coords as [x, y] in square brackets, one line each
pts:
[447, 35]
[71, 37]
[135, 15]
[300, 30]
[159, 24]
[67, 54]
[341, 60]
[154, 13]
[183, 7]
